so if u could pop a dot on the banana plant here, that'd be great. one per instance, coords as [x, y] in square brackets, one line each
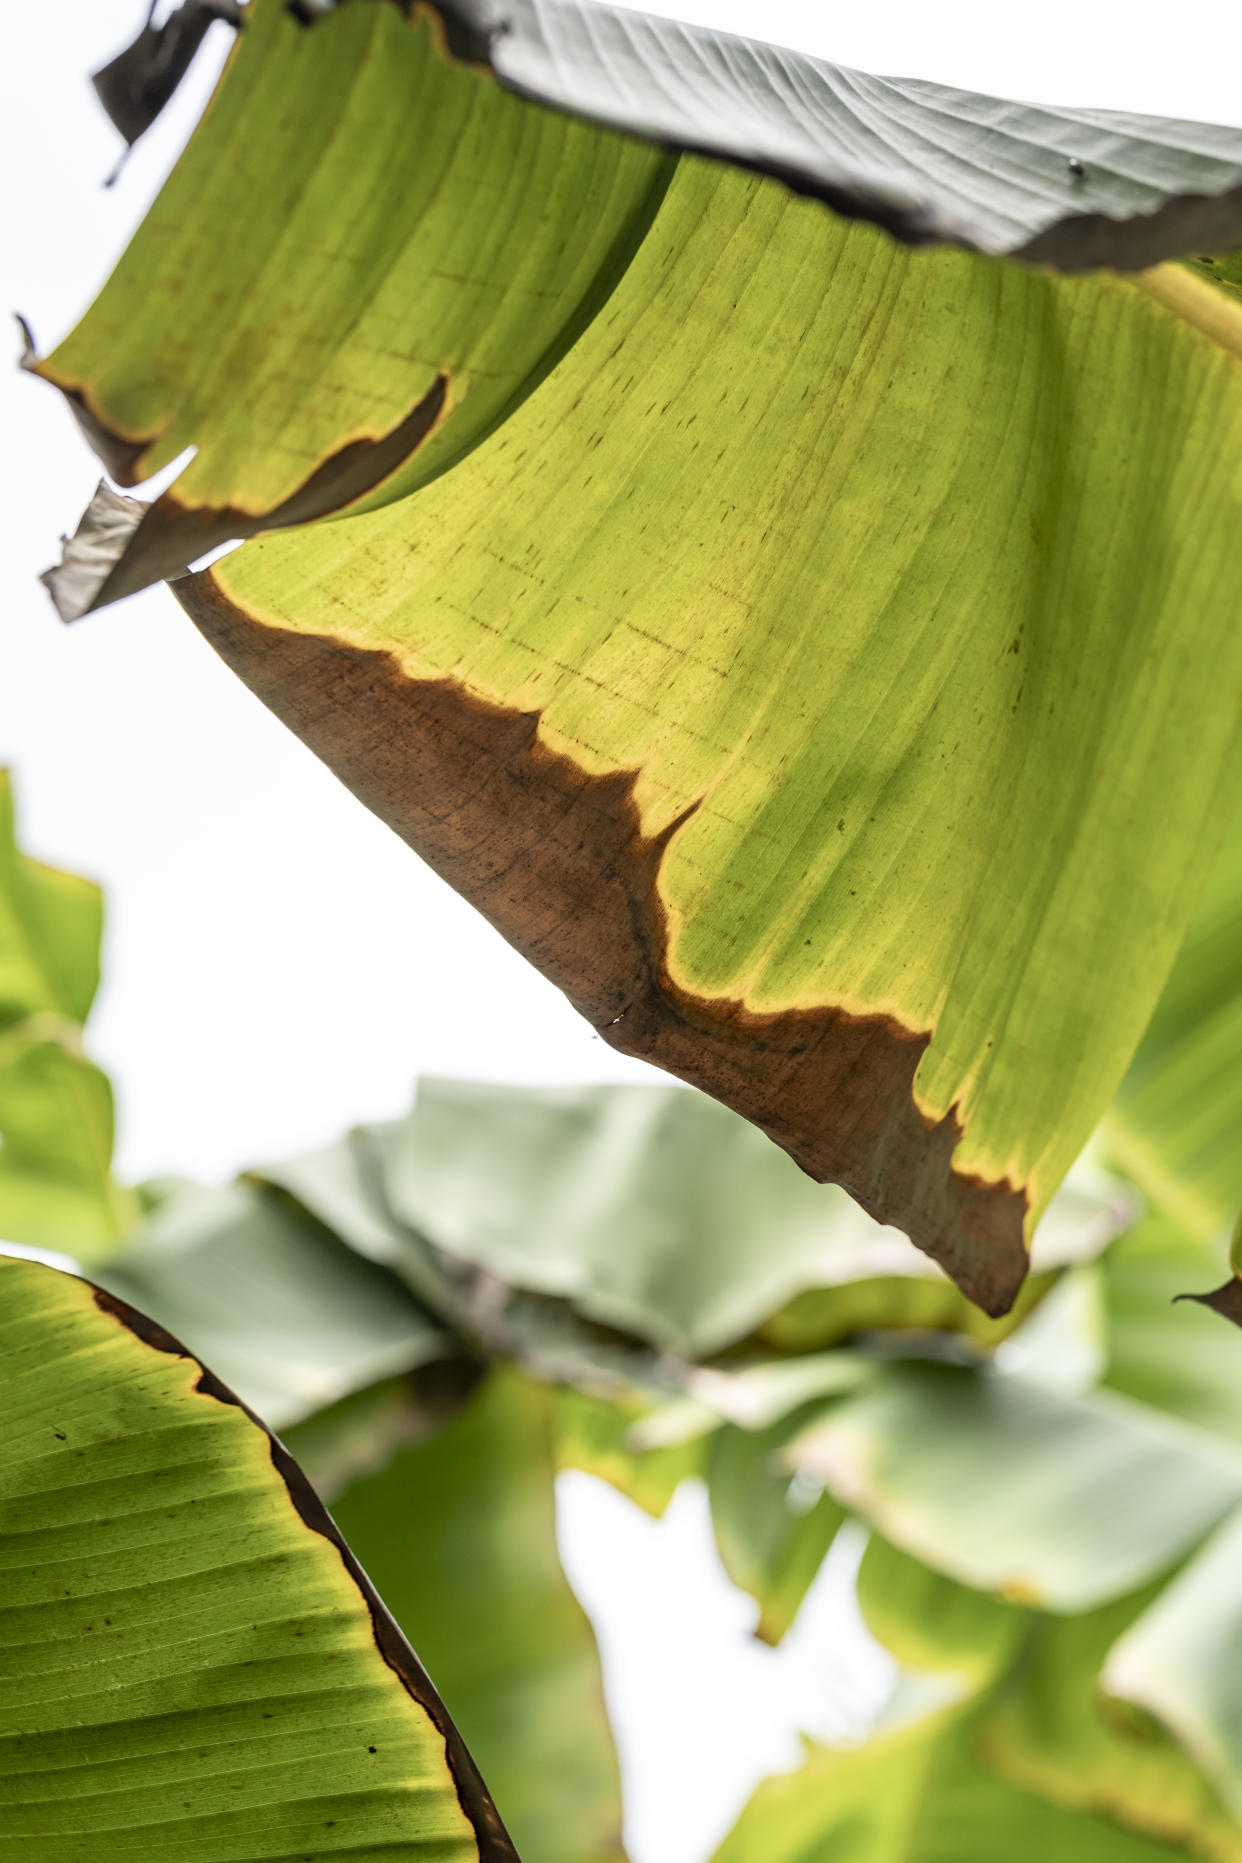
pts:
[688, 506]
[1053, 1509]
[441, 1312]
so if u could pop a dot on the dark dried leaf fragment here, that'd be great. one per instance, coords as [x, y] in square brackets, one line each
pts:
[134, 86]
[1226, 1300]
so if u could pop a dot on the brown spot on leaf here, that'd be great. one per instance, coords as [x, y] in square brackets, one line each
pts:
[556, 859]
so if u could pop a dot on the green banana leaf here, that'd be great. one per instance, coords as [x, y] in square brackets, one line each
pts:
[310, 373]
[56, 1116]
[930, 1622]
[289, 1317]
[594, 1434]
[819, 659]
[50, 928]
[1182, 1362]
[649, 1210]
[1050, 1727]
[917, 1795]
[194, 1667]
[772, 1528]
[1006, 1484]
[653, 1210]
[947, 1075]
[1174, 1125]
[1043, 1723]
[459, 1535]
[1179, 1661]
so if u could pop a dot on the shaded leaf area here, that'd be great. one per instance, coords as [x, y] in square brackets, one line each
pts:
[1062, 1558]
[611, 1238]
[917, 1795]
[930, 1622]
[193, 1665]
[1070, 1500]
[1179, 1661]
[362, 260]
[772, 1530]
[880, 920]
[661, 1213]
[459, 1535]
[1052, 1727]
[1040, 1719]
[928, 163]
[56, 1116]
[1174, 1125]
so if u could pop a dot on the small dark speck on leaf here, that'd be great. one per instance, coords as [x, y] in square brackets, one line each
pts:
[60, 1436]
[372, 1749]
[1075, 167]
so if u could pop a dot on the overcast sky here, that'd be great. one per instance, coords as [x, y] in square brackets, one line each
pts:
[277, 965]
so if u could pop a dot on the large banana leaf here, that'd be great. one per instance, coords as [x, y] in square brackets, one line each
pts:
[824, 672]
[659, 1212]
[881, 920]
[459, 1535]
[56, 1119]
[194, 1667]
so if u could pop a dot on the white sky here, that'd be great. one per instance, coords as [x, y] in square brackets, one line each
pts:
[278, 966]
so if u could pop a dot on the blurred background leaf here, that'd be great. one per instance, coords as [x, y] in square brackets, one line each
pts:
[56, 1124]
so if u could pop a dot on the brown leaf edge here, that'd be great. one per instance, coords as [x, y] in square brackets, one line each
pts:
[122, 545]
[495, 1844]
[556, 859]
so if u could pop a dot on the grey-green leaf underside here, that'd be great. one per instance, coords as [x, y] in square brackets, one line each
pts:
[931, 164]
